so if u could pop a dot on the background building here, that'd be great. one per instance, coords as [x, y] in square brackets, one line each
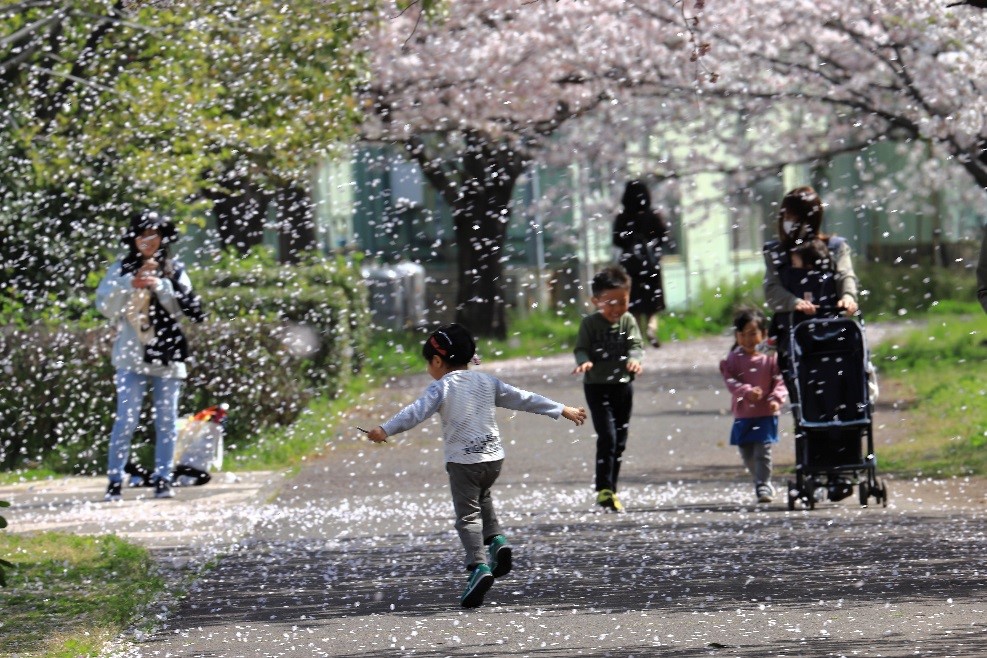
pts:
[379, 204]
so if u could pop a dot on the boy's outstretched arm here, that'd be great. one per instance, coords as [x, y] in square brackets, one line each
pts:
[575, 414]
[410, 416]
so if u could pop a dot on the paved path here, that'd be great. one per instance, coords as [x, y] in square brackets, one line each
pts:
[356, 556]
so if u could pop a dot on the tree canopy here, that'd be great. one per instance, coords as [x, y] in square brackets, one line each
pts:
[113, 105]
[476, 94]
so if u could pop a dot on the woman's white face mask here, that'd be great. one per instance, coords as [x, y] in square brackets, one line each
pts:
[787, 226]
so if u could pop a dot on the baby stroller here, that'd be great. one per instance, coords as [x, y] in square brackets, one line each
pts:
[829, 367]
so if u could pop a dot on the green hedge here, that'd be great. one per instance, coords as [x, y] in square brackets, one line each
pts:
[264, 351]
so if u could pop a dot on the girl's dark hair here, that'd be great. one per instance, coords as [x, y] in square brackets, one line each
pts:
[452, 343]
[139, 222]
[805, 209]
[133, 260]
[743, 317]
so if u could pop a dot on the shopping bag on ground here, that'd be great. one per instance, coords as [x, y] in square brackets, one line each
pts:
[199, 446]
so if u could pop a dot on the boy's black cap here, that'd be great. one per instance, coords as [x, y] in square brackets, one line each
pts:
[145, 219]
[452, 342]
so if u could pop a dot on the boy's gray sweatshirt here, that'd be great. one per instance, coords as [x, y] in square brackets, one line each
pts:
[466, 402]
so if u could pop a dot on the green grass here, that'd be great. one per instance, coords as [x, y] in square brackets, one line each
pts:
[285, 448]
[890, 291]
[27, 475]
[69, 594]
[941, 371]
[549, 333]
[395, 353]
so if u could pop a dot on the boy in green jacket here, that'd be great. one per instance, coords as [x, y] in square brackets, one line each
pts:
[608, 353]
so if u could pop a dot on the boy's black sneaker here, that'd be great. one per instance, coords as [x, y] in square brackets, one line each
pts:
[480, 581]
[500, 556]
[113, 492]
[162, 489]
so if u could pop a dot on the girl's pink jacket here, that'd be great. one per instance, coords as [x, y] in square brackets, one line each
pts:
[742, 372]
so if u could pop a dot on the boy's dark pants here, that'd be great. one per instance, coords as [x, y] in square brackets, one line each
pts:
[610, 407]
[476, 520]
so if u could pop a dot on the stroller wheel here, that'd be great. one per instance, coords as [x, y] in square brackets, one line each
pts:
[815, 492]
[793, 495]
[883, 496]
[865, 493]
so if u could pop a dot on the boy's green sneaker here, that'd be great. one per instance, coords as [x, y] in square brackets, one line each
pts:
[480, 581]
[607, 499]
[500, 556]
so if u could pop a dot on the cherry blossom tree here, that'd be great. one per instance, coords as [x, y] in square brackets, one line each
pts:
[475, 94]
[807, 80]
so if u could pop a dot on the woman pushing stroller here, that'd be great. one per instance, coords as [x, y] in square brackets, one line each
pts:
[805, 270]
[808, 271]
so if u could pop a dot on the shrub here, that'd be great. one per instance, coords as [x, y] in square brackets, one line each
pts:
[326, 297]
[57, 395]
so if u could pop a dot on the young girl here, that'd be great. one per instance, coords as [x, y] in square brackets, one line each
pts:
[757, 392]
[474, 453]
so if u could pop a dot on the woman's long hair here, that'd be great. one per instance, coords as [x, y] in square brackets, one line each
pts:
[139, 222]
[803, 207]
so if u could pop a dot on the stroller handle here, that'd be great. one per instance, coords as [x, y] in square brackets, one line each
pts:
[824, 310]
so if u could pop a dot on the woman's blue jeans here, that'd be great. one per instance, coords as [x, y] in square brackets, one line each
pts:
[131, 388]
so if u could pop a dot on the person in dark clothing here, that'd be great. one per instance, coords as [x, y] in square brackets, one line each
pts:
[641, 234]
[608, 354]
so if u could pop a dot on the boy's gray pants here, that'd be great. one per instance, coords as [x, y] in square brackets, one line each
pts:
[476, 520]
[757, 459]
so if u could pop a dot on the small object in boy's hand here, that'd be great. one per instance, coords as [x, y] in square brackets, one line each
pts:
[376, 435]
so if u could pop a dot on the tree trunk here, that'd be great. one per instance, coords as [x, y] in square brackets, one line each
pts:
[296, 223]
[478, 187]
[481, 228]
[976, 166]
[239, 212]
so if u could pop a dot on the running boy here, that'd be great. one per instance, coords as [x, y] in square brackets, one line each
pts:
[608, 353]
[474, 453]
[757, 391]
